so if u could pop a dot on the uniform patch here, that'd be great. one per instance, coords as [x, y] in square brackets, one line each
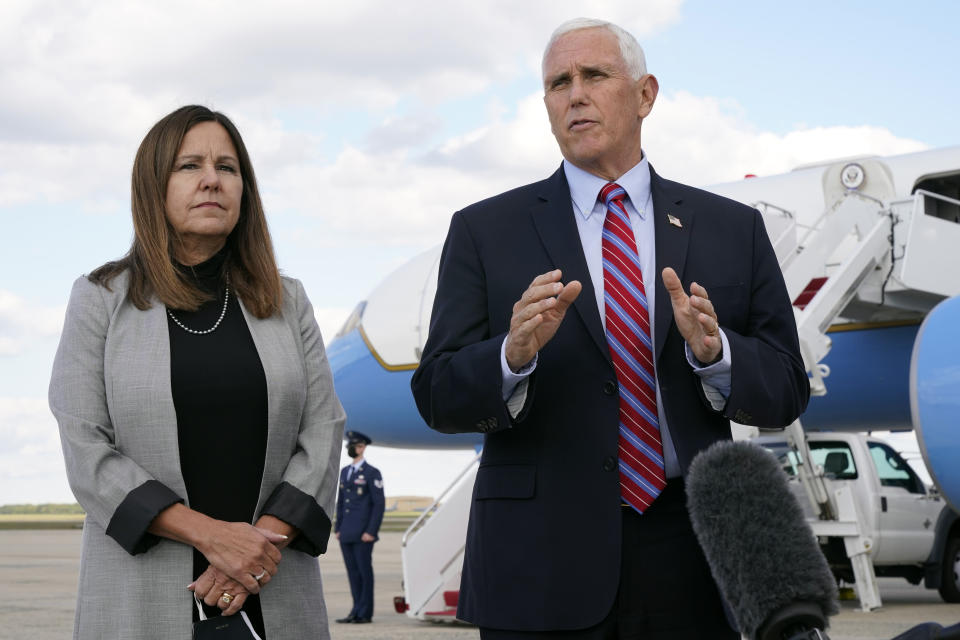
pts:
[378, 484]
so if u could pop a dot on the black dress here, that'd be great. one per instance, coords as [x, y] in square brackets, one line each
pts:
[220, 396]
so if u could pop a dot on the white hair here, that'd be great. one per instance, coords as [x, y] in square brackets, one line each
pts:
[630, 49]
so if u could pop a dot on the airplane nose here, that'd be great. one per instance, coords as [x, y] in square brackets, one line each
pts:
[378, 401]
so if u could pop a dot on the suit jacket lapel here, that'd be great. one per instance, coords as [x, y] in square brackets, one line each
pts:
[671, 246]
[554, 221]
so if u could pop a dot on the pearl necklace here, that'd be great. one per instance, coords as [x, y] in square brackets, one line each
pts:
[216, 324]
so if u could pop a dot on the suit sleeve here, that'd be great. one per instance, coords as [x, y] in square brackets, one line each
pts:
[457, 386]
[306, 495]
[376, 513]
[769, 384]
[112, 488]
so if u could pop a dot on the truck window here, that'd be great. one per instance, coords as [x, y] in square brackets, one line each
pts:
[835, 458]
[784, 454]
[893, 470]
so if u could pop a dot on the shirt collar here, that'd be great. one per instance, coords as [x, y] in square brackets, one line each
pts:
[585, 187]
[356, 465]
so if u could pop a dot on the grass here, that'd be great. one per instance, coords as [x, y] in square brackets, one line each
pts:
[41, 520]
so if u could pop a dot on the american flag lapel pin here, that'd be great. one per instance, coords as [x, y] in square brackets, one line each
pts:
[674, 220]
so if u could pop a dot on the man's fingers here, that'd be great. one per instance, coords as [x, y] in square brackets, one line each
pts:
[697, 290]
[703, 305]
[523, 331]
[709, 324]
[535, 309]
[544, 278]
[534, 294]
[673, 285]
[568, 295]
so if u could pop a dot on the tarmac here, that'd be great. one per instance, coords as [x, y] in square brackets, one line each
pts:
[39, 568]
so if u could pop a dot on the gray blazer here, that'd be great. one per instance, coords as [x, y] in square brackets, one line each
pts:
[110, 393]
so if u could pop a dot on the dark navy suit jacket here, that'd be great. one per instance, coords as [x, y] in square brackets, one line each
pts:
[359, 503]
[543, 542]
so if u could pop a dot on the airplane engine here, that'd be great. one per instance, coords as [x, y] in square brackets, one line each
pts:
[935, 396]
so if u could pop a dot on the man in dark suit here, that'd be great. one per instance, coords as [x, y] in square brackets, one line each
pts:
[601, 327]
[359, 514]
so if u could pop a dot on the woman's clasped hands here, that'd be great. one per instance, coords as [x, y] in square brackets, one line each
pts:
[243, 558]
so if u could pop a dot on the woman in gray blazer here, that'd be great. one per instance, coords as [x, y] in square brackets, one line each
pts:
[199, 423]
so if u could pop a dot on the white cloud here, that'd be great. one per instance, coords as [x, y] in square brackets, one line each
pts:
[702, 140]
[31, 461]
[23, 323]
[698, 140]
[84, 81]
[117, 60]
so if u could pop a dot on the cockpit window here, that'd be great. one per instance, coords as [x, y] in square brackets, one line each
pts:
[353, 320]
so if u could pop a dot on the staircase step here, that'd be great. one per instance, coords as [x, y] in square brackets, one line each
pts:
[451, 598]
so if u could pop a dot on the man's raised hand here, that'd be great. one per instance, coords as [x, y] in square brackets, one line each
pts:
[695, 317]
[537, 316]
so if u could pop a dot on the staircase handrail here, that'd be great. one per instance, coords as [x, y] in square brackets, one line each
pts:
[436, 503]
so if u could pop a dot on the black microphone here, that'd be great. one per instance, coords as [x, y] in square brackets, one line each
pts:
[761, 551]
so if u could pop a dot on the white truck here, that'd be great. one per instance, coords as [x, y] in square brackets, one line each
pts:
[911, 530]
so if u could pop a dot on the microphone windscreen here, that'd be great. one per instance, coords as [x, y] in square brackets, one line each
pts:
[761, 551]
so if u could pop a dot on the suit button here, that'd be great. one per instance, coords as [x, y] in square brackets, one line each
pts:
[609, 387]
[609, 464]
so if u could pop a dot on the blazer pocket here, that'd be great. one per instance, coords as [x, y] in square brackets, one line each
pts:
[516, 481]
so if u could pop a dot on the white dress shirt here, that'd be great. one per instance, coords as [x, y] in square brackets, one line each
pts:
[590, 214]
[354, 469]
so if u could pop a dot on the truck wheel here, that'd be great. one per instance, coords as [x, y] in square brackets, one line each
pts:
[950, 580]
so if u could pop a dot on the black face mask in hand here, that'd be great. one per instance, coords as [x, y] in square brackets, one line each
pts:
[235, 627]
[351, 451]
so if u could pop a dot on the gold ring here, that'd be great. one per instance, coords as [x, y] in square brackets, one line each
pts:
[226, 597]
[260, 575]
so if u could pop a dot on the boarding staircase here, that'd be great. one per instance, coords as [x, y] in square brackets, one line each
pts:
[432, 552]
[871, 256]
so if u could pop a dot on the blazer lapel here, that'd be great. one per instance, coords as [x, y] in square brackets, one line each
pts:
[280, 358]
[673, 224]
[148, 330]
[554, 221]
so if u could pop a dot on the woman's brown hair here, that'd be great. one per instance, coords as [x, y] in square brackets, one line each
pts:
[251, 263]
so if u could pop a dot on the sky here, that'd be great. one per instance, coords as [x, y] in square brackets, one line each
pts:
[369, 123]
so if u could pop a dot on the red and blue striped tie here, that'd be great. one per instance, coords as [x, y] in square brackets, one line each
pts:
[628, 336]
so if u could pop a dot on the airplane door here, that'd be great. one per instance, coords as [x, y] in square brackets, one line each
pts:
[909, 520]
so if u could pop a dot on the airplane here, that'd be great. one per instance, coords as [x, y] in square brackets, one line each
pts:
[870, 251]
